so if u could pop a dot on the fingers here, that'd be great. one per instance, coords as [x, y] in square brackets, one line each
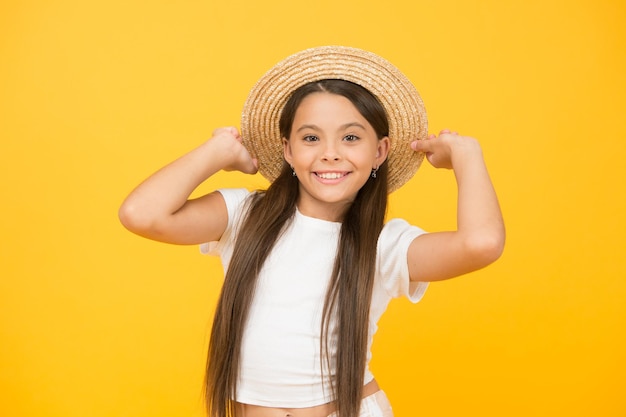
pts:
[230, 130]
[423, 146]
[235, 133]
[447, 132]
[420, 145]
[251, 167]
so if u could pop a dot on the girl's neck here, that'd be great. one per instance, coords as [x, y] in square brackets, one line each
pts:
[330, 212]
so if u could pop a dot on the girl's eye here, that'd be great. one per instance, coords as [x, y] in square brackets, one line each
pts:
[351, 138]
[310, 138]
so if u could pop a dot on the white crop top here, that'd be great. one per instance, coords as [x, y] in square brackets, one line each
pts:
[280, 362]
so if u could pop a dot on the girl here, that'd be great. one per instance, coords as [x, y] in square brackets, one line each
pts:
[310, 262]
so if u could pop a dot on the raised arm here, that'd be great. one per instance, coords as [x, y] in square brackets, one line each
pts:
[479, 238]
[160, 208]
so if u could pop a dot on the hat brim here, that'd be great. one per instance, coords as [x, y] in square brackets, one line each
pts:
[402, 102]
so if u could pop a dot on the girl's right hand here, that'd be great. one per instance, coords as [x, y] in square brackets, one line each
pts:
[236, 156]
[161, 208]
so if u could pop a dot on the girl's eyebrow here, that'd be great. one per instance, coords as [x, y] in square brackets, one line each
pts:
[342, 127]
[304, 127]
[352, 124]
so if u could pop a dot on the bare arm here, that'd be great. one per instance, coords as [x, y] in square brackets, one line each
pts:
[160, 208]
[479, 238]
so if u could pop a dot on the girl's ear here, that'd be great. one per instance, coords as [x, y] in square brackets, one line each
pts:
[287, 151]
[383, 150]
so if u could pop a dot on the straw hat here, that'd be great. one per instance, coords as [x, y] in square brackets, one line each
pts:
[404, 107]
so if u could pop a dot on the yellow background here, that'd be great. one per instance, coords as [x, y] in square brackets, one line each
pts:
[95, 95]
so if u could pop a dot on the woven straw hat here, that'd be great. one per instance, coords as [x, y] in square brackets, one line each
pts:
[404, 107]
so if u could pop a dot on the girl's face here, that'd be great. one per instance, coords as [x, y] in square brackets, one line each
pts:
[332, 150]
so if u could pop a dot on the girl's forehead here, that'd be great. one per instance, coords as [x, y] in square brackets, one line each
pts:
[324, 103]
[331, 110]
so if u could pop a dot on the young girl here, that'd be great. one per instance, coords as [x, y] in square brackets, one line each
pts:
[310, 262]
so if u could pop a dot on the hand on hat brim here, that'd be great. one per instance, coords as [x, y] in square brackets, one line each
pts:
[236, 156]
[444, 150]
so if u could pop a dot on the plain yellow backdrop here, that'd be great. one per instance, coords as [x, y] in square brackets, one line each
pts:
[95, 95]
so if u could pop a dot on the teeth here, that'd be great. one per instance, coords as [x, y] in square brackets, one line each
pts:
[329, 175]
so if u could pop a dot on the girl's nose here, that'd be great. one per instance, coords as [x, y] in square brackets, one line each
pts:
[331, 152]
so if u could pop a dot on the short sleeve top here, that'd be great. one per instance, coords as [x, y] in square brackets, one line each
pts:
[281, 361]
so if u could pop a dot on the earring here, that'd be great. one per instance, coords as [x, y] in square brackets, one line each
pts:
[293, 172]
[374, 170]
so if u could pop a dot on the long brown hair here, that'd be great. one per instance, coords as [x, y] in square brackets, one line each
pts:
[351, 282]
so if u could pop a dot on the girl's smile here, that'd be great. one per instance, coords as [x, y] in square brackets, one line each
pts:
[328, 177]
[332, 150]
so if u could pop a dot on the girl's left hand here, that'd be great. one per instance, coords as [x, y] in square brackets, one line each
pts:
[444, 150]
[479, 237]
